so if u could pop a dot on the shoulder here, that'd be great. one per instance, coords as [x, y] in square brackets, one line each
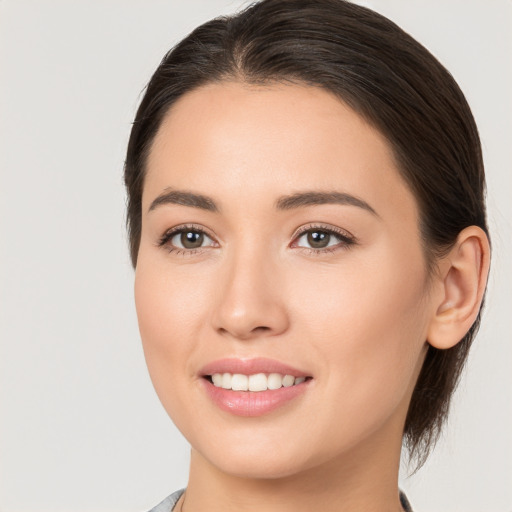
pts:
[168, 504]
[405, 502]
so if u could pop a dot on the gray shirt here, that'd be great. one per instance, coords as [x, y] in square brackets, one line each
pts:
[168, 504]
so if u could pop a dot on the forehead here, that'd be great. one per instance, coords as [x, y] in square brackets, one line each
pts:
[241, 140]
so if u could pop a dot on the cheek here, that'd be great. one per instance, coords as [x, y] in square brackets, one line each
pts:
[166, 320]
[172, 309]
[377, 296]
[369, 321]
[168, 302]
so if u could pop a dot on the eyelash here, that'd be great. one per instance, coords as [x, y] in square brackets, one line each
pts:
[169, 234]
[346, 240]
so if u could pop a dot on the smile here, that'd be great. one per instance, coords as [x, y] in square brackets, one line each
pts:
[253, 387]
[256, 382]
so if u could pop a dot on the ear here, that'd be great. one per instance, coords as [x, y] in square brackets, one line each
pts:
[462, 281]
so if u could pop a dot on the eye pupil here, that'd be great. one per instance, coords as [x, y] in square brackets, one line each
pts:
[191, 239]
[318, 239]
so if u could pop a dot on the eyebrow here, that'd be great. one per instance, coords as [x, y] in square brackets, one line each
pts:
[289, 202]
[184, 198]
[313, 198]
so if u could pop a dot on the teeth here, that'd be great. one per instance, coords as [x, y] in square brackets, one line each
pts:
[226, 380]
[274, 381]
[217, 379]
[256, 382]
[239, 382]
[288, 380]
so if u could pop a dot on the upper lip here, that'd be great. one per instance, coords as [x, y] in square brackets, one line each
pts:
[251, 367]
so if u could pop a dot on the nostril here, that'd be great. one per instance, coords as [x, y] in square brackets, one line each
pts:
[262, 328]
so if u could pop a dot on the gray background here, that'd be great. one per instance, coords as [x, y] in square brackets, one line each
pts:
[80, 426]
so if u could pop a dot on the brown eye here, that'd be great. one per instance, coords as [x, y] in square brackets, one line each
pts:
[186, 239]
[191, 239]
[318, 239]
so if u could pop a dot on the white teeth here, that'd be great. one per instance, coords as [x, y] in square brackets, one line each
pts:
[256, 382]
[274, 381]
[226, 380]
[217, 379]
[239, 382]
[288, 380]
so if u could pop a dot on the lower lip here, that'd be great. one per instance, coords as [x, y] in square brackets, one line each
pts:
[253, 403]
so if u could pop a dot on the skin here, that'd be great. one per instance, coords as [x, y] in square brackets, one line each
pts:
[355, 317]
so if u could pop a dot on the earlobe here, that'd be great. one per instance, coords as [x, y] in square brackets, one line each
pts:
[463, 278]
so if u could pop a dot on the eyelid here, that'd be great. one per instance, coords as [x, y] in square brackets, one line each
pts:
[346, 238]
[323, 227]
[171, 232]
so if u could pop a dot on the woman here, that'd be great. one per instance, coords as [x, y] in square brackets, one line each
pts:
[307, 224]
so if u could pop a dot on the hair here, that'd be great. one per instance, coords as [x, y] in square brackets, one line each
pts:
[390, 80]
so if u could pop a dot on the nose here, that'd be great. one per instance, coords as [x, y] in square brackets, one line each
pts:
[251, 300]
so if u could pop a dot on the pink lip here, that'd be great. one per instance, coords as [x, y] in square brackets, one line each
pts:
[250, 367]
[251, 403]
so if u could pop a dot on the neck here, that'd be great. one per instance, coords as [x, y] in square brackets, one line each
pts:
[365, 479]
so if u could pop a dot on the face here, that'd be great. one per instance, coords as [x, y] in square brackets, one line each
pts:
[278, 239]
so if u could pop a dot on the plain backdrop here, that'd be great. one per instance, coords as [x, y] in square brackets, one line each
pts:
[81, 428]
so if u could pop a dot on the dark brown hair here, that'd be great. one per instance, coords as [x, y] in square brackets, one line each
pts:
[389, 79]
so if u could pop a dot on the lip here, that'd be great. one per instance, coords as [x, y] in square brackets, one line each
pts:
[252, 403]
[250, 367]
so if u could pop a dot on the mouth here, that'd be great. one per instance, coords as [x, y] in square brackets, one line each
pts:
[253, 387]
[255, 382]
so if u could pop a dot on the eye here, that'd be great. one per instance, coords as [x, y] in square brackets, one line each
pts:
[186, 238]
[323, 238]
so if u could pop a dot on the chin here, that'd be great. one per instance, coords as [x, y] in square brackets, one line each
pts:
[264, 466]
[272, 458]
